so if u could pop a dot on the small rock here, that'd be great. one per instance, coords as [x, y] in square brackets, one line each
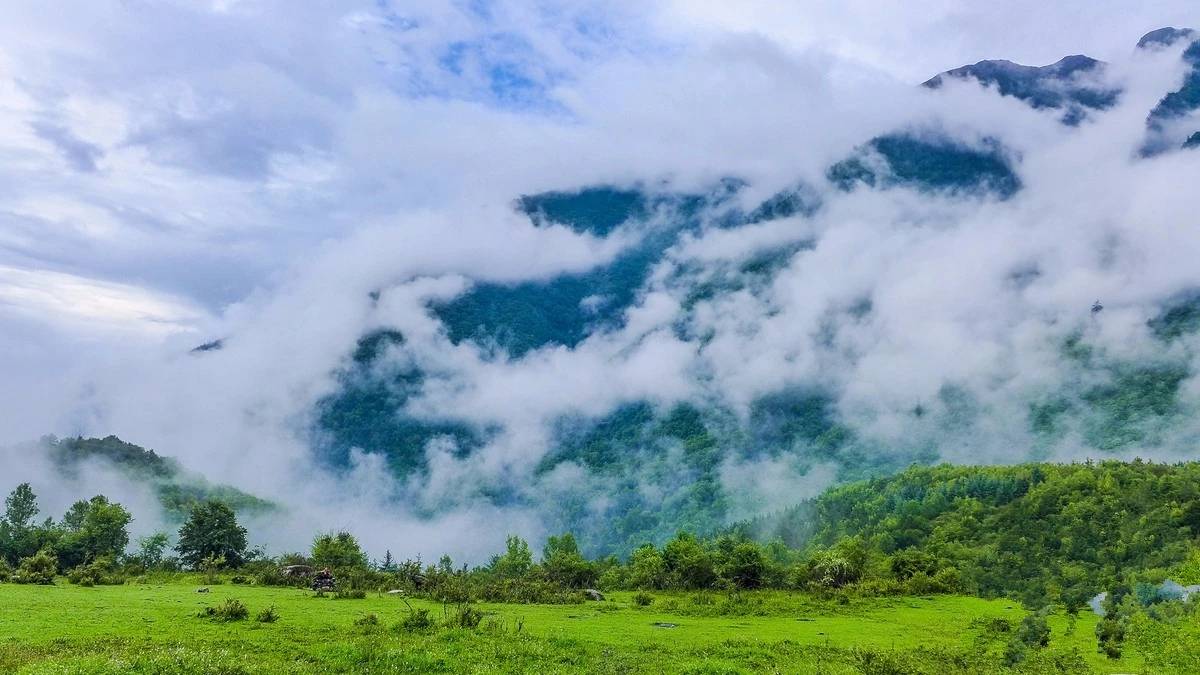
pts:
[395, 591]
[593, 594]
[202, 590]
[663, 624]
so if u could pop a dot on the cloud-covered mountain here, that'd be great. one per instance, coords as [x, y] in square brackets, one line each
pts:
[641, 466]
[674, 287]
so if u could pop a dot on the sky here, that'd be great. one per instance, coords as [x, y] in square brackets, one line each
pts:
[175, 172]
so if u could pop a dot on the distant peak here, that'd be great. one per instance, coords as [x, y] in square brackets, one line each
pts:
[1074, 63]
[991, 69]
[1164, 37]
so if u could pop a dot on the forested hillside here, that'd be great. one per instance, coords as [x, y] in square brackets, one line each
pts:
[1059, 531]
[177, 489]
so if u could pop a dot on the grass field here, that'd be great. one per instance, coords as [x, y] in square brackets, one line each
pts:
[156, 629]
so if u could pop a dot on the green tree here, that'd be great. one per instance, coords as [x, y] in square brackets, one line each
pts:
[212, 530]
[151, 549]
[647, 570]
[19, 537]
[564, 565]
[516, 561]
[72, 520]
[20, 507]
[688, 564]
[340, 551]
[745, 566]
[97, 529]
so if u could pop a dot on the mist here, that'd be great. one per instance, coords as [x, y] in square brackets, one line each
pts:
[291, 189]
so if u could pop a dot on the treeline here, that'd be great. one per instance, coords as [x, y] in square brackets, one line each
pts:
[1040, 532]
[1043, 534]
[90, 542]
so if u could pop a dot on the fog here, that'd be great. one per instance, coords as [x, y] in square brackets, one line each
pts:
[289, 179]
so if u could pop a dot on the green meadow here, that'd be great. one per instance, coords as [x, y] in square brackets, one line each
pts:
[159, 628]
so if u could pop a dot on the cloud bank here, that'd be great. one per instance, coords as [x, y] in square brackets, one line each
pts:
[291, 179]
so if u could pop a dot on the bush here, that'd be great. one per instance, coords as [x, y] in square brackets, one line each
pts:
[37, 569]
[95, 573]
[367, 620]
[230, 610]
[417, 620]
[1110, 635]
[643, 599]
[6, 571]
[239, 580]
[465, 616]
[520, 591]
[268, 615]
[350, 594]
[272, 575]
[1034, 631]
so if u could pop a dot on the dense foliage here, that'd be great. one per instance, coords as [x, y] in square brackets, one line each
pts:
[1063, 532]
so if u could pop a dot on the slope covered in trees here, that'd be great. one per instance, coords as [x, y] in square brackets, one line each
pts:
[177, 489]
[1057, 531]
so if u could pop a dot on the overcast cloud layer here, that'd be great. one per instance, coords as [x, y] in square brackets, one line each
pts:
[175, 172]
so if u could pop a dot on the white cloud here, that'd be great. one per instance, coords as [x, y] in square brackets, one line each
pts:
[254, 171]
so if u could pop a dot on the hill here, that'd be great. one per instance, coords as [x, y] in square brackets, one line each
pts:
[1062, 531]
[176, 488]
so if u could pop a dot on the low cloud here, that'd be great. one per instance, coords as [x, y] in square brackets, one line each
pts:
[293, 180]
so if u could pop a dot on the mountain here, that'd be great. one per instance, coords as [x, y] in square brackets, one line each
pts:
[638, 467]
[176, 488]
[1172, 123]
[934, 164]
[1165, 37]
[1073, 84]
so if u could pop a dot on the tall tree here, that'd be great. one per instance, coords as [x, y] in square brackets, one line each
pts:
[339, 550]
[212, 530]
[19, 536]
[517, 559]
[150, 550]
[93, 529]
[20, 507]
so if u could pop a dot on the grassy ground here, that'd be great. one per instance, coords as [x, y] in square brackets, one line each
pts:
[156, 629]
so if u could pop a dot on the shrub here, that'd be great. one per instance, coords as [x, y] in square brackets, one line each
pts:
[417, 620]
[519, 591]
[39, 568]
[992, 625]
[239, 580]
[6, 571]
[230, 610]
[97, 572]
[1034, 631]
[910, 562]
[268, 615]
[643, 599]
[367, 620]
[830, 569]
[1110, 634]
[350, 594]
[466, 616]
